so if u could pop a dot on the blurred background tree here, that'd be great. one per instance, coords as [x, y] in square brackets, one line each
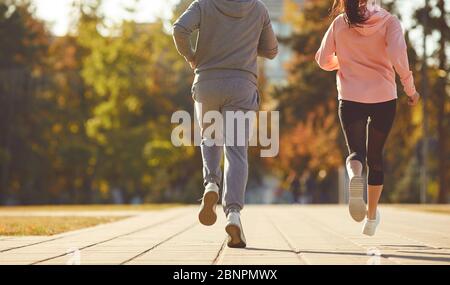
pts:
[85, 117]
[25, 110]
[310, 132]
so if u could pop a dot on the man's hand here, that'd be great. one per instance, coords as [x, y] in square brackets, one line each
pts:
[414, 100]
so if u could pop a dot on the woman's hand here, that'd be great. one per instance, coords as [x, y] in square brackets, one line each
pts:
[414, 100]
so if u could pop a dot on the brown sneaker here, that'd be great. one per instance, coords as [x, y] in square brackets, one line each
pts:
[236, 238]
[207, 214]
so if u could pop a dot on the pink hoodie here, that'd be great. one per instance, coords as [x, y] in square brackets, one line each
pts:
[365, 58]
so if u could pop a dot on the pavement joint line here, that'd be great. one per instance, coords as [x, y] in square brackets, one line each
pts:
[220, 253]
[414, 240]
[430, 253]
[319, 225]
[327, 229]
[422, 230]
[64, 235]
[314, 238]
[31, 244]
[110, 239]
[57, 237]
[387, 255]
[298, 254]
[391, 256]
[160, 243]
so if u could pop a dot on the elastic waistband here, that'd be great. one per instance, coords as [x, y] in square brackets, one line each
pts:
[224, 73]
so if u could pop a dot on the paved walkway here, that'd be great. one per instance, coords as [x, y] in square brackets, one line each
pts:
[275, 235]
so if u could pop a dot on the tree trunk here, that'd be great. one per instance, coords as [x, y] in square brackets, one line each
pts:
[442, 96]
[10, 96]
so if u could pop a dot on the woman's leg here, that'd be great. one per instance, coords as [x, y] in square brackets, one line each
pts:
[354, 168]
[382, 118]
[353, 118]
[373, 196]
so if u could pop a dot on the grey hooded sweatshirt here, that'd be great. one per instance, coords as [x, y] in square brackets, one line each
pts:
[232, 34]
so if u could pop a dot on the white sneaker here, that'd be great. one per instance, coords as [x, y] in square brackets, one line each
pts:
[236, 238]
[207, 214]
[370, 226]
[356, 204]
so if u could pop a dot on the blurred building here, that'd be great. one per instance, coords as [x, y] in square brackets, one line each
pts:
[274, 69]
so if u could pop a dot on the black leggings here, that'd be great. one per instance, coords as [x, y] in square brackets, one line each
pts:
[369, 143]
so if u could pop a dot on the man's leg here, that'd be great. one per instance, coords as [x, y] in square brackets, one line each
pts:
[239, 115]
[236, 141]
[235, 177]
[205, 102]
[211, 152]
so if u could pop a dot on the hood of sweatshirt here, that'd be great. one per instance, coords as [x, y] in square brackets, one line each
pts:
[374, 23]
[235, 8]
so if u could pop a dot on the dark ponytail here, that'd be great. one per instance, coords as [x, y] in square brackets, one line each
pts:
[354, 11]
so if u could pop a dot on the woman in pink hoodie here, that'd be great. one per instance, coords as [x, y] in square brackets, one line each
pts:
[366, 45]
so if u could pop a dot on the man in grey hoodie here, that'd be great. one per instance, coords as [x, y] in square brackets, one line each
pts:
[232, 34]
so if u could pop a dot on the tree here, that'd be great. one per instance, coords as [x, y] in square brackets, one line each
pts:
[89, 112]
[23, 48]
[439, 105]
[311, 138]
[137, 81]
[441, 92]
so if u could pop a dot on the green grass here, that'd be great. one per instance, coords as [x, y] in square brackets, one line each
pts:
[64, 208]
[47, 226]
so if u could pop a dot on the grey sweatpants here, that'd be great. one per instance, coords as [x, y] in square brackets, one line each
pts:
[225, 96]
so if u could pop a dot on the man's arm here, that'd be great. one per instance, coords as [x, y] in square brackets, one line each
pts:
[268, 43]
[183, 29]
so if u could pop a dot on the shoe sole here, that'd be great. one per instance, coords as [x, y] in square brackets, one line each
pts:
[234, 240]
[207, 215]
[357, 207]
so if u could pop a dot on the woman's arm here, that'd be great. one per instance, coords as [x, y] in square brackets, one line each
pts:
[326, 55]
[397, 52]
[183, 29]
